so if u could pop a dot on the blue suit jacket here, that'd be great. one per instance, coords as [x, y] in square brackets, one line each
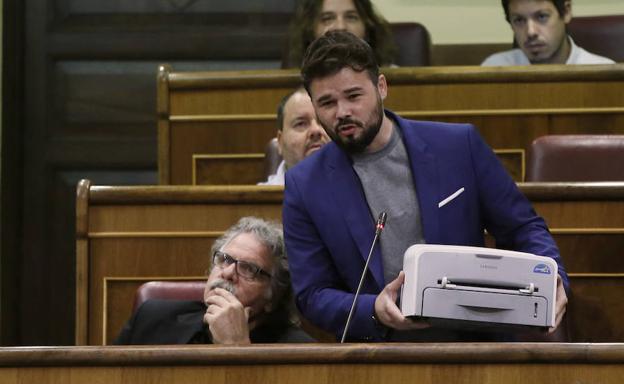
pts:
[328, 226]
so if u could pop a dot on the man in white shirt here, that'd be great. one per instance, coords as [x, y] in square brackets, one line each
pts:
[298, 133]
[539, 28]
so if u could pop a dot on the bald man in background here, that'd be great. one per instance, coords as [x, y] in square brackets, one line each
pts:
[298, 133]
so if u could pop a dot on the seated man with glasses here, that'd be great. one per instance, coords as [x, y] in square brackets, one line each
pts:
[247, 298]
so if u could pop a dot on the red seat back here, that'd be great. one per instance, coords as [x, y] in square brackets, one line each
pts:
[169, 290]
[576, 158]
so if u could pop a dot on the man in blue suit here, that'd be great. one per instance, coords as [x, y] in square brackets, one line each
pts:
[439, 184]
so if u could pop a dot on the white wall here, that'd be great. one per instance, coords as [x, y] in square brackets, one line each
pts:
[474, 21]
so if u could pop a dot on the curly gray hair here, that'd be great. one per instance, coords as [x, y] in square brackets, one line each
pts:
[270, 234]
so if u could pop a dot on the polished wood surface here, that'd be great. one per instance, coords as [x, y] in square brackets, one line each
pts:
[248, 168]
[127, 235]
[318, 363]
[234, 112]
[228, 169]
[316, 353]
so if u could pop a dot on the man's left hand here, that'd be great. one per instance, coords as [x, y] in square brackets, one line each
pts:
[561, 304]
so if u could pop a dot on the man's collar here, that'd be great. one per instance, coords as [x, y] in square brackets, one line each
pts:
[574, 51]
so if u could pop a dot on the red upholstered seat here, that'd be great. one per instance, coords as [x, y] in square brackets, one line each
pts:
[576, 158]
[169, 290]
[602, 35]
[413, 44]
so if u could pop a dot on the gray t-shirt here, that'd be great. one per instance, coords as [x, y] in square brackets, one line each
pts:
[389, 186]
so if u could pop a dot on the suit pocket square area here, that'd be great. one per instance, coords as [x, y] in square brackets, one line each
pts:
[451, 197]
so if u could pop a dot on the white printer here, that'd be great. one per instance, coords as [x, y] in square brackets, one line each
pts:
[479, 285]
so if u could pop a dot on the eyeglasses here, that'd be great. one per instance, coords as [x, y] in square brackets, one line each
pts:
[243, 268]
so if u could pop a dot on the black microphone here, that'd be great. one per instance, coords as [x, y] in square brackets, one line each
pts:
[381, 223]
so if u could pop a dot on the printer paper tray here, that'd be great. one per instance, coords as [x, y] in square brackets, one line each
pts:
[485, 307]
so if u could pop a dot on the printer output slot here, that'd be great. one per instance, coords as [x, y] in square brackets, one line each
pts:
[452, 283]
[485, 309]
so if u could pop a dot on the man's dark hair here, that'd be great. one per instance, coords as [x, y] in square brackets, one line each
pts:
[334, 51]
[559, 4]
[378, 32]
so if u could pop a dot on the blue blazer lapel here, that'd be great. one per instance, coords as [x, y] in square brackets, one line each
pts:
[427, 179]
[346, 189]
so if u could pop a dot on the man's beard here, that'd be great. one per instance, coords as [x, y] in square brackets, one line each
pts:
[353, 145]
[227, 285]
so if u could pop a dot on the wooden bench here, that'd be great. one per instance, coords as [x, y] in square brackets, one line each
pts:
[234, 112]
[129, 235]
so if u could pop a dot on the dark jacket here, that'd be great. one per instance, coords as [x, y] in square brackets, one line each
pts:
[181, 322]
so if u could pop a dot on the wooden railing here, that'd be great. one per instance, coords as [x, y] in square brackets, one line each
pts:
[234, 112]
[483, 363]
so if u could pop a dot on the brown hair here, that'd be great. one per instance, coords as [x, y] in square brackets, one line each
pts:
[559, 4]
[378, 33]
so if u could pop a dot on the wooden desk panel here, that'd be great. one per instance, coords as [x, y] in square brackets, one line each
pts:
[596, 307]
[607, 255]
[224, 136]
[510, 133]
[129, 234]
[369, 373]
[478, 88]
[485, 363]
[589, 230]
[228, 169]
[248, 168]
[234, 112]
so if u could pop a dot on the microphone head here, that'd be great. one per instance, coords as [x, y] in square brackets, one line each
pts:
[381, 221]
[382, 218]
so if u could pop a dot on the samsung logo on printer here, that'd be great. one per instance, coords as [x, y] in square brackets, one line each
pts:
[488, 266]
[542, 268]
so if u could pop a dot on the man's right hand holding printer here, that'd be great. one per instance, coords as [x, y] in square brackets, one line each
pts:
[389, 314]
